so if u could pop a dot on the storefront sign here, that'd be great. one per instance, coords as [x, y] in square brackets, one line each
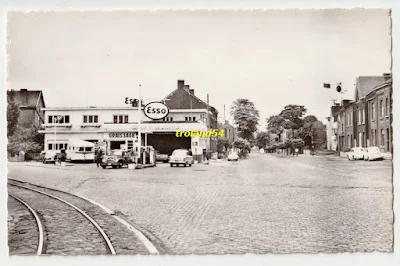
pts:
[122, 135]
[156, 110]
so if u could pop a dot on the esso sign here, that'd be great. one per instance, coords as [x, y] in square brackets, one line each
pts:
[156, 110]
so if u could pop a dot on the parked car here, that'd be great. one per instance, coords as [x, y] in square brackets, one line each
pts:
[233, 156]
[116, 159]
[181, 156]
[356, 153]
[372, 154]
[161, 157]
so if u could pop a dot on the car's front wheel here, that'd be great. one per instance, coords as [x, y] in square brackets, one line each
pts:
[104, 167]
[171, 164]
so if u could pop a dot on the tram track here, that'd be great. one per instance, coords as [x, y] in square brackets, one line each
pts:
[120, 238]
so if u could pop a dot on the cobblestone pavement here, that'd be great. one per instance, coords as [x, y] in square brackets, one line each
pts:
[124, 241]
[279, 204]
[67, 232]
[23, 234]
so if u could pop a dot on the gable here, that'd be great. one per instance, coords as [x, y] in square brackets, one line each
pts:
[367, 84]
[183, 99]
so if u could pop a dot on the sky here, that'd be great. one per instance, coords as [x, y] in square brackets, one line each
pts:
[272, 57]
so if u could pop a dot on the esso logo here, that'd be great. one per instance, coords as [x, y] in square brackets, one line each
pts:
[156, 110]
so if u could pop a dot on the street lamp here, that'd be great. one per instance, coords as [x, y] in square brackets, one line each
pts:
[57, 119]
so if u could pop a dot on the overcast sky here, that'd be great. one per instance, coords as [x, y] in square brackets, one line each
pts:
[274, 58]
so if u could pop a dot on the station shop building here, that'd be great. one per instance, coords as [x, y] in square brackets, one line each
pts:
[117, 127]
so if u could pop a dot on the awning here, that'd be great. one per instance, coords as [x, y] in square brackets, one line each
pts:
[81, 143]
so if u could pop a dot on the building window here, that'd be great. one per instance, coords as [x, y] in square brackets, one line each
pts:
[382, 138]
[363, 116]
[120, 119]
[359, 117]
[372, 111]
[58, 119]
[387, 107]
[381, 108]
[387, 140]
[90, 119]
[194, 118]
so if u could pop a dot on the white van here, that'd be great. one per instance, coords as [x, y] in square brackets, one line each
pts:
[80, 150]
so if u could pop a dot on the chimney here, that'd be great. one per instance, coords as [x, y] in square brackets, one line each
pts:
[387, 76]
[186, 87]
[181, 83]
[24, 97]
[191, 91]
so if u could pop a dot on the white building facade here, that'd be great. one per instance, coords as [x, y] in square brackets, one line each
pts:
[117, 128]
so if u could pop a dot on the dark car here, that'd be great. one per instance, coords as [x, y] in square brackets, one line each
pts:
[116, 159]
[161, 157]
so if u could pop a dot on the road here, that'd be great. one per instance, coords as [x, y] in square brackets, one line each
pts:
[266, 203]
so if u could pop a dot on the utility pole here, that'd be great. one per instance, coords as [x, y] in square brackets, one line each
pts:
[139, 122]
[208, 118]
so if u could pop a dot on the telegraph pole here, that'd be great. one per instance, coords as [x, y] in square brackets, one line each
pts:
[139, 122]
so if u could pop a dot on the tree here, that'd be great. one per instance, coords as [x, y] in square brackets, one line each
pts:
[12, 113]
[242, 144]
[274, 125]
[246, 118]
[223, 144]
[292, 115]
[262, 139]
[313, 132]
[25, 139]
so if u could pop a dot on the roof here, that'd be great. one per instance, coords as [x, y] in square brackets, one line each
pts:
[30, 101]
[81, 143]
[366, 84]
[182, 98]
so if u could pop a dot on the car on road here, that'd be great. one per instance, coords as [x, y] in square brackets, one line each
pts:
[161, 157]
[181, 156]
[233, 156]
[356, 153]
[116, 159]
[372, 154]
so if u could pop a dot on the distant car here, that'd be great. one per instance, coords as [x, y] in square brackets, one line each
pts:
[116, 159]
[233, 156]
[356, 153]
[160, 157]
[372, 154]
[181, 156]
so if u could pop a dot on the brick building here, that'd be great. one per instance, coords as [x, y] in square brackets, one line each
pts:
[379, 102]
[229, 131]
[367, 121]
[30, 104]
